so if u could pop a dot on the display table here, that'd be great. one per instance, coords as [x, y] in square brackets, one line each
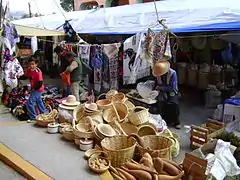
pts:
[150, 104]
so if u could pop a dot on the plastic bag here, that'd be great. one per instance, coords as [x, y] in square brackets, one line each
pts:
[146, 90]
[66, 115]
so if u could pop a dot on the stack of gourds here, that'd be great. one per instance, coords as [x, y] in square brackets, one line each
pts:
[148, 169]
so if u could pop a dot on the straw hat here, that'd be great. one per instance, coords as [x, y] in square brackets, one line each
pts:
[90, 107]
[160, 68]
[70, 101]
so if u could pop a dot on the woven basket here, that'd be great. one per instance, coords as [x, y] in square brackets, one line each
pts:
[175, 144]
[129, 128]
[192, 77]
[146, 129]
[68, 135]
[203, 80]
[130, 105]
[156, 146]
[111, 93]
[110, 114]
[139, 117]
[103, 104]
[85, 125]
[120, 149]
[52, 117]
[119, 98]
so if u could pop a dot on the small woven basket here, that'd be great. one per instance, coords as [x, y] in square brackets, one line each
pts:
[68, 135]
[129, 128]
[84, 125]
[146, 129]
[97, 154]
[139, 117]
[156, 146]
[119, 98]
[103, 103]
[120, 149]
[44, 119]
[130, 105]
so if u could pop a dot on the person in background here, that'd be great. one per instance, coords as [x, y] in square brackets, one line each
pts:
[36, 80]
[168, 99]
[75, 70]
[63, 65]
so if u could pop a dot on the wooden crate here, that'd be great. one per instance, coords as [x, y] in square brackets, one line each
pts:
[202, 134]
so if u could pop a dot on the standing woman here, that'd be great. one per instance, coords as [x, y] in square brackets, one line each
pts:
[168, 99]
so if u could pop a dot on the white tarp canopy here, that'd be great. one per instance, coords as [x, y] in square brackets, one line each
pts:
[181, 16]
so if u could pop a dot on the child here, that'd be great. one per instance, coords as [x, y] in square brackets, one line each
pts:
[36, 80]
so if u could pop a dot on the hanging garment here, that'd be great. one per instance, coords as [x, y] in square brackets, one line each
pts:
[135, 66]
[69, 31]
[34, 44]
[96, 63]
[10, 36]
[111, 51]
[155, 46]
[84, 54]
[11, 70]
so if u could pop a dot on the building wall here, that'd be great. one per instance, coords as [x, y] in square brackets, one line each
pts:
[78, 3]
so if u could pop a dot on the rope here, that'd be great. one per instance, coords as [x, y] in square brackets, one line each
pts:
[39, 14]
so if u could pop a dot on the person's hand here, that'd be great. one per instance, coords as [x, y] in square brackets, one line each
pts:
[158, 88]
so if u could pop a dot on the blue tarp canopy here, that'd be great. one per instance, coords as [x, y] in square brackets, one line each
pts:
[181, 16]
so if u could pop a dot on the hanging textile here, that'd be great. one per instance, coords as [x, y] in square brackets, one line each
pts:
[111, 51]
[34, 44]
[84, 54]
[157, 46]
[96, 63]
[11, 70]
[135, 66]
[10, 36]
[71, 35]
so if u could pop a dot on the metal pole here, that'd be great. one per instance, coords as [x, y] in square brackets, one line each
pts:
[29, 9]
[1, 14]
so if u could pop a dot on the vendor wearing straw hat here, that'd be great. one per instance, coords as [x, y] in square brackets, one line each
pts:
[168, 97]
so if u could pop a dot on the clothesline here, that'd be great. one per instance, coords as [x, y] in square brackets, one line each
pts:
[179, 37]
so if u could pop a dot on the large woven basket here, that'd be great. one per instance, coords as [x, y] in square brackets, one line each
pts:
[120, 149]
[139, 117]
[157, 146]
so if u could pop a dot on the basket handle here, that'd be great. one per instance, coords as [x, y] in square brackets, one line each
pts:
[50, 108]
[103, 94]
[168, 132]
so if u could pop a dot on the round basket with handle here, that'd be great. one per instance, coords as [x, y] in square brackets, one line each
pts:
[44, 119]
[109, 114]
[120, 149]
[175, 144]
[156, 146]
[119, 98]
[83, 129]
[146, 129]
[103, 103]
[138, 116]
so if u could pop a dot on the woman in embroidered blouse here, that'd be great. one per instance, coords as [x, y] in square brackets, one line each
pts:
[168, 99]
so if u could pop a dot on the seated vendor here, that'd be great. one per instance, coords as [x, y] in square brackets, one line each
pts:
[166, 81]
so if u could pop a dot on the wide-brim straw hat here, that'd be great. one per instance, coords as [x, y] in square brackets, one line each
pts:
[67, 107]
[160, 68]
[90, 107]
[70, 101]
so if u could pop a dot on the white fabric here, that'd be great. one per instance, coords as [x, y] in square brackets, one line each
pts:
[12, 70]
[138, 17]
[140, 67]
[34, 44]
[225, 164]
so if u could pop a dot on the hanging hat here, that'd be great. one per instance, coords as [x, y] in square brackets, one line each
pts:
[160, 68]
[69, 103]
